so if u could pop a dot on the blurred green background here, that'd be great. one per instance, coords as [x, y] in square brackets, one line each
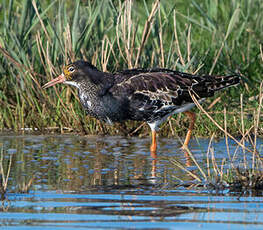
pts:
[203, 37]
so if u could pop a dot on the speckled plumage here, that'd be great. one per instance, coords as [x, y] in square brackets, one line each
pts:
[139, 94]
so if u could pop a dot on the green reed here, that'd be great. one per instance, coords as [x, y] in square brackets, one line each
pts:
[38, 38]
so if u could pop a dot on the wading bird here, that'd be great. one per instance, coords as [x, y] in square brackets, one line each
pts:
[139, 94]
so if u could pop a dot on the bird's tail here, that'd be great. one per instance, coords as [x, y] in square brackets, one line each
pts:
[221, 82]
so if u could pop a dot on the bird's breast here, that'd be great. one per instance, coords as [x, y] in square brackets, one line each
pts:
[106, 108]
[85, 101]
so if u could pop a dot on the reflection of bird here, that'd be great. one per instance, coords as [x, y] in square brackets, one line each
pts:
[140, 94]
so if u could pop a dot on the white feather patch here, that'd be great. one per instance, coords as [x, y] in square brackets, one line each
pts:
[73, 83]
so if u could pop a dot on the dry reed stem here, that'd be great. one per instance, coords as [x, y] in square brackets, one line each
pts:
[216, 124]
[128, 32]
[40, 19]
[177, 42]
[198, 68]
[216, 58]
[52, 71]
[106, 51]
[242, 140]
[49, 62]
[242, 123]
[118, 36]
[39, 48]
[20, 66]
[161, 39]
[127, 22]
[5, 177]
[24, 187]
[179, 165]
[28, 185]
[171, 126]
[152, 58]
[137, 129]
[207, 155]
[68, 45]
[44, 53]
[196, 163]
[177, 178]
[147, 30]
[222, 169]
[214, 164]
[213, 103]
[257, 118]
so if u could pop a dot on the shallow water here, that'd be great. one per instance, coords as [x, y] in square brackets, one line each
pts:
[113, 182]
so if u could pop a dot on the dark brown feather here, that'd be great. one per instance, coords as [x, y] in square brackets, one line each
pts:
[141, 94]
[154, 93]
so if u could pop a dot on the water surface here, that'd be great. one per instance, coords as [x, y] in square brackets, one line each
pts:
[103, 182]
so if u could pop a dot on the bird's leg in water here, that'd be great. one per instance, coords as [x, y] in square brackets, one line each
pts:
[192, 118]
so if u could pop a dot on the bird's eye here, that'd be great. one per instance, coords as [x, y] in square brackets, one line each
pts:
[71, 69]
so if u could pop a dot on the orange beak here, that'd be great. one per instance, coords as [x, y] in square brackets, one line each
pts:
[60, 79]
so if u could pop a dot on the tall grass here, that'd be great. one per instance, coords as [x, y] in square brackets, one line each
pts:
[38, 38]
[241, 170]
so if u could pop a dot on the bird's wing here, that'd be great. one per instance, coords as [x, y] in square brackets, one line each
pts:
[153, 91]
[163, 90]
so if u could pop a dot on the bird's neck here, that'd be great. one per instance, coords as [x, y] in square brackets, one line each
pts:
[101, 81]
[89, 90]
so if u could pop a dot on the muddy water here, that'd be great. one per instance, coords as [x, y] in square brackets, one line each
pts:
[71, 182]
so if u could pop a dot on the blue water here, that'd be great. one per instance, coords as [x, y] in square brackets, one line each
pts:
[114, 183]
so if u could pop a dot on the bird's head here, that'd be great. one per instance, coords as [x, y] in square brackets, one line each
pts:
[74, 73]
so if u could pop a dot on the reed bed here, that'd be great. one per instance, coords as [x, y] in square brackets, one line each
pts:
[4, 175]
[241, 171]
[38, 38]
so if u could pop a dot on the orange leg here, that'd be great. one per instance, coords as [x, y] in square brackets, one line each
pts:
[154, 144]
[192, 118]
[187, 157]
